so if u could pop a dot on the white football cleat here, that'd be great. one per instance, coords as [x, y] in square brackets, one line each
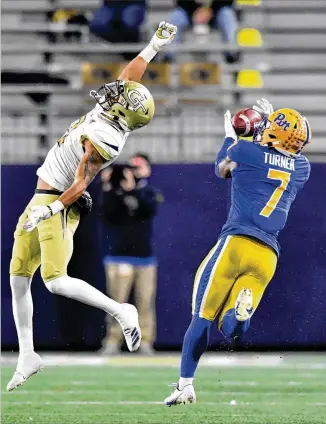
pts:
[28, 365]
[243, 305]
[129, 322]
[178, 397]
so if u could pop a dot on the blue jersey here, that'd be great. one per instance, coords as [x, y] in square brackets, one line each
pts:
[264, 185]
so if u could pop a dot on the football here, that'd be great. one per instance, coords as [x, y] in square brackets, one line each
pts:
[245, 120]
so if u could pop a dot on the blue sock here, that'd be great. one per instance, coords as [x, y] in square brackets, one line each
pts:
[194, 345]
[231, 327]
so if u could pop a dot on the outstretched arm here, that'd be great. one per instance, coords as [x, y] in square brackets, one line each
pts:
[223, 164]
[88, 168]
[136, 68]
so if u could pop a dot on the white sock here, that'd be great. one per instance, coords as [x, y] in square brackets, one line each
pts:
[22, 306]
[83, 292]
[184, 382]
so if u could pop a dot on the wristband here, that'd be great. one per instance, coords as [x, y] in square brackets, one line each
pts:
[56, 207]
[148, 53]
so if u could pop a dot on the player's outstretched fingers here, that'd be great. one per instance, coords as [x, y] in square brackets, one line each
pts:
[171, 28]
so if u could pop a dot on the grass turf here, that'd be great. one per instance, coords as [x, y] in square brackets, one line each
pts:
[134, 395]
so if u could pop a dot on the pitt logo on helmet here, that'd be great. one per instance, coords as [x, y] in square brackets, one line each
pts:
[285, 130]
[281, 121]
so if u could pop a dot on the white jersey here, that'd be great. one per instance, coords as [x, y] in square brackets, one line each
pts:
[60, 165]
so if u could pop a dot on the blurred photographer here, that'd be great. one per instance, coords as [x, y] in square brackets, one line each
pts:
[128, 210]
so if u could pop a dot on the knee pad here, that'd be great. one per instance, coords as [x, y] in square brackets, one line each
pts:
[231, 327]
[18, 267]
[19, 284]
[49, 271]
[55, 286]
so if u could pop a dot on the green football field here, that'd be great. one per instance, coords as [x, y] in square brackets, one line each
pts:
[130, 389]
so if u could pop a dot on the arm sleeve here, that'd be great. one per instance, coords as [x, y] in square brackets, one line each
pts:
[105, 144]
[223, 153]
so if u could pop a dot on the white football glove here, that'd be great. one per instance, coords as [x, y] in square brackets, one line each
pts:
[229, 130]
[264, 107]
[41, 213]
[164, 35]
[37, 214]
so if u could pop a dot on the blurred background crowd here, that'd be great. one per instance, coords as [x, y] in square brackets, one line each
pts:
[160, 209]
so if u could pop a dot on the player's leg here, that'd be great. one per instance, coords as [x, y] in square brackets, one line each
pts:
[56, 240]
[213, 282]
[145, 290]
[227, 22]
[119, 278]
[257, 269]
[25, 260]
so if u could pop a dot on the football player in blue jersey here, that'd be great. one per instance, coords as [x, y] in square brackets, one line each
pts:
[266, 176]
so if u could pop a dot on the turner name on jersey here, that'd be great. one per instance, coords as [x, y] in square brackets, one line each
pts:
[61, 163]
[280, 160]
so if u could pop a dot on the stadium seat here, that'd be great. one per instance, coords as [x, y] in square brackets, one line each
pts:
[157, 74]
[249, 37]
[249, 78]
[193, 74]
[97, 74]
[248, 2]
[291, 59]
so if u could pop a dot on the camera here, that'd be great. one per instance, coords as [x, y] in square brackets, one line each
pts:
[118, 174]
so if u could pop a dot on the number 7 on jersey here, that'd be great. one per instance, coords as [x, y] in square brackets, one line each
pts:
[282, 176]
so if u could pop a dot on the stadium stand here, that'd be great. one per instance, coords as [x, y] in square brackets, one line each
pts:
[46, 79]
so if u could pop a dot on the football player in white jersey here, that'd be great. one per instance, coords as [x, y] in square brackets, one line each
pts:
[44, 233]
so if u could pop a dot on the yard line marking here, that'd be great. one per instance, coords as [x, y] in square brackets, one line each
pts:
[161, 403]
[98, 413]
[307, 375]
[59, 392]
[305, 366]
[275, 361]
